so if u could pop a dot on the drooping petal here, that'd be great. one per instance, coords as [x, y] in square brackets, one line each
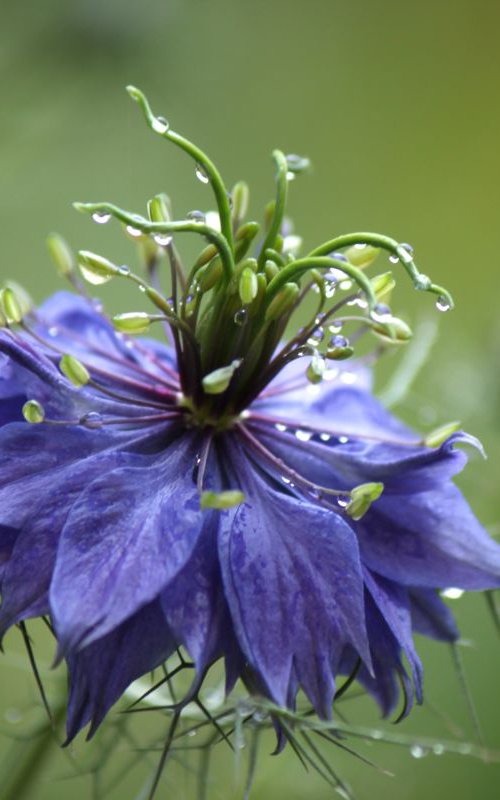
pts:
[100, 673]
[128, 534]
[431, 617]
[292, 577]
[429, 539]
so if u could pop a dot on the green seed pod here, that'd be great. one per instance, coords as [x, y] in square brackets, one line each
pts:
[96, 269]
[33, 412]
[74, 370]
[61, 254]
[282, 301]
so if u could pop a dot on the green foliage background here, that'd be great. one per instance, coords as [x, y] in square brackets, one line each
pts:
[396, 104]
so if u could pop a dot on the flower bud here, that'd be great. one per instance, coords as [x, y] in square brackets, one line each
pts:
[383, 285]
[74, 370]
[33, 412]
[316, 369]
[244, 237]
[96, 269]
[395, 331]
[210, 275]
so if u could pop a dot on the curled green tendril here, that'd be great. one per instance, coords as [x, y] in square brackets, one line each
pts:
[180, 226]
[420, 281]
[200, 158]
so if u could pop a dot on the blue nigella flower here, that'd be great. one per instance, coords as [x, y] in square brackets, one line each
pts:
[217, 494]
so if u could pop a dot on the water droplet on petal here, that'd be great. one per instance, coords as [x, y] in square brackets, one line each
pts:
[124, 270]
[394, 259]
[452, 593]
[160, 125]
[201, 174]
[286, 480]
[100, 217]
[92, 420]
[343, 500]
[53, 330]
[442, 304]
[348, 377]
[325, 437]
[381, 313]
[290, 176]
[240, 317]
[280, 427]
[303, 436]
[336, 327]
[343, 439]
[438, 749]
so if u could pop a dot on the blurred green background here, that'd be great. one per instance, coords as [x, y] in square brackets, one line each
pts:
[397, 106]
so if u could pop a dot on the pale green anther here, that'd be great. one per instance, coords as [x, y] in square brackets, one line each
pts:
[339, 353]
[217, 381]
[132, 322]
[10, 305]
[61, 254]
[282, 301]
[383, 285]
[362, 497]
[394, 331]
[439, 435]
[159, 301]
[222, 500]
[240, 196]
[74, 370]
[316, 369]
[210, 275]
[271, 270]
[248, 286]
[244, 237]
[159, 209]
[23, 298]
[362, 257]
[206, 255]
[33, 412]
[96, 269]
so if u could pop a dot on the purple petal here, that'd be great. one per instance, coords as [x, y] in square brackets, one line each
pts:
[430, 539]
[292, 578]
[129, 533]
[101, 672]
[431, 617]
